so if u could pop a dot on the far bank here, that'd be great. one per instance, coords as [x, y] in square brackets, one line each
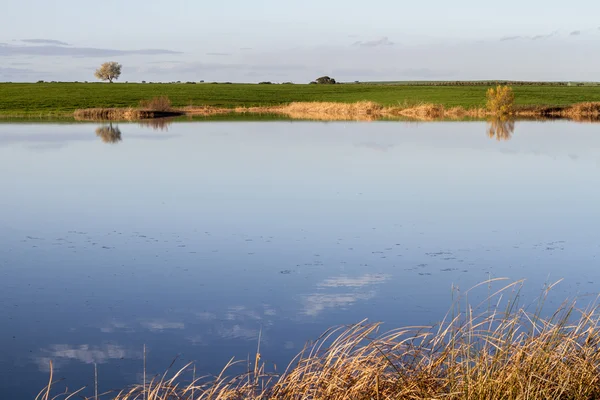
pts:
[62, 99]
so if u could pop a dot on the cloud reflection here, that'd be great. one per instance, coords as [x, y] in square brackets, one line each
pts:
[59, 354]
[361, 281]
[315, 304]
[159, 325]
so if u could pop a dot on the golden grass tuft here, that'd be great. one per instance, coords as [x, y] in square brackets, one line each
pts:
[331, 111]
[502, 352]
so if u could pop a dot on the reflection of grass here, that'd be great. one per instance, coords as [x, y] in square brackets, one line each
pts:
[496, 352]
[109, 133]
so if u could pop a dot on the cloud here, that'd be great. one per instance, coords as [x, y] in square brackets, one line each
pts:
[45, 41]
[424, 73]
[218, 54]
[376, 146]
[534, 37]
[12, 71]
[508, 38]
[396, 72]
[575, 33]
[384, 41]
[76, 51]
[194, 67]
[548, 35]
[344, 281]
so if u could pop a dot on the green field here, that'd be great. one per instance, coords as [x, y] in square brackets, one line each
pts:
[57, 98]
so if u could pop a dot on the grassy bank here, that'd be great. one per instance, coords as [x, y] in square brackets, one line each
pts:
[60, 99]
[497, 350]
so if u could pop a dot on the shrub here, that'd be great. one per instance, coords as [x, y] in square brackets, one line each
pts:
[500, 100]
[40, 81]
[159, 103]
[325, 80]
[264, 83]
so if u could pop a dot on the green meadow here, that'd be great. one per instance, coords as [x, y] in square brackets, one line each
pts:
[22, 99]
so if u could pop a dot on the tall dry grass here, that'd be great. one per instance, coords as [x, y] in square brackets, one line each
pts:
[158, 103]
[111, 114]
[496, 351]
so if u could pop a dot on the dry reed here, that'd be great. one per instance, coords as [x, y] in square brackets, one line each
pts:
[501, 352]
[158, 103]
[112, 114]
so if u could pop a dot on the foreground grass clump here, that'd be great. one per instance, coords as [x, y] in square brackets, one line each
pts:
[502, 352]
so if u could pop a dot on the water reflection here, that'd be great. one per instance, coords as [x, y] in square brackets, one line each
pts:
[157, 124]
[501, 128]
[61, 354]
[109, 133]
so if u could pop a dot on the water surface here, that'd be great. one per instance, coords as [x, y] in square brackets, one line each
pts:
[192, 238]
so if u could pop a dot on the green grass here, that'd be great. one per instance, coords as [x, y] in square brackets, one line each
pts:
[57, 98]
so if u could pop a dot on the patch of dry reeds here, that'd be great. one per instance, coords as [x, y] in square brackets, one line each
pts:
[111, 114]
[158, 103]
[502, 352]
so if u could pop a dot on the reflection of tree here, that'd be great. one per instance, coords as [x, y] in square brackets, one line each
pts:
[109, 133]
[157, 124]
[501, 128]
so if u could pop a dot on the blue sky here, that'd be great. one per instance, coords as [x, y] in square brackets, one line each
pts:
[298, 41]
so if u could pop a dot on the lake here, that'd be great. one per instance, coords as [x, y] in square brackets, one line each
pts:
[191, 239]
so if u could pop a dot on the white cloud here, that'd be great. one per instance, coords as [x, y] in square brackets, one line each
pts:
[384, 41]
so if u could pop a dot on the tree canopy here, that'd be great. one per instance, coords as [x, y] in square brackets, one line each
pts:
[108, 71]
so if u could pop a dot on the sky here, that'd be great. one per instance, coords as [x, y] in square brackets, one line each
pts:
[298, 41]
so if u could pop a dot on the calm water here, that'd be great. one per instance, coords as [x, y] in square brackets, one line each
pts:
[193, 239]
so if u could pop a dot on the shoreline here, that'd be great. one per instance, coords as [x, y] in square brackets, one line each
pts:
[328, 111]
[358, 111]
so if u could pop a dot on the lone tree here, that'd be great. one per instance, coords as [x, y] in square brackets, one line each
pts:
[108, 71]
[325, 80]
